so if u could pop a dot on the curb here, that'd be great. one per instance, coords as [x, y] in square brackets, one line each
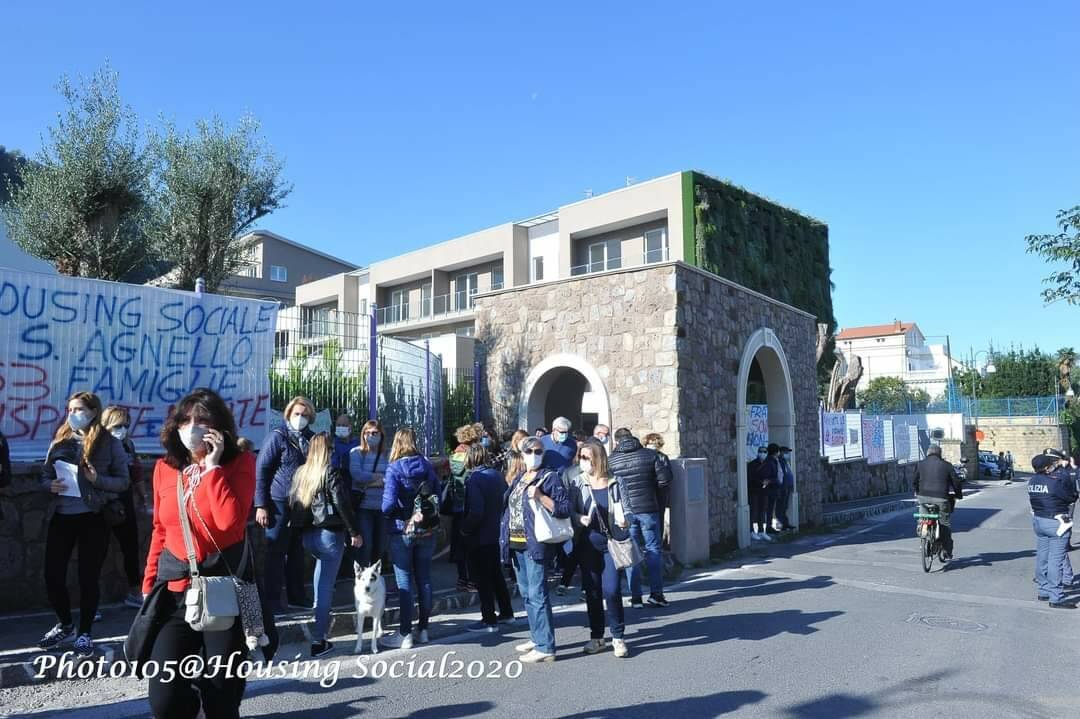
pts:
[855, 514]
[291, 630]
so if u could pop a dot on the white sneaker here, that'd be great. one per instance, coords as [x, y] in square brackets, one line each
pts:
[766, 537]
[777, 527]
[620, 648]
[595, 646]
[397, 641]
[419, 636]
[525, 647]
[536, 657]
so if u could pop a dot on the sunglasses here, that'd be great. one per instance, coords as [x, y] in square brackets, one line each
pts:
[584, 456]
[532, 451]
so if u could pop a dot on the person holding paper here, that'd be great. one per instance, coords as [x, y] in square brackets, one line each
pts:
[83, 466]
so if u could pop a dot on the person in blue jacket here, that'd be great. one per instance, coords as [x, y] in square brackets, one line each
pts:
[1051, 492]
[282, 453]
[484, 490]
[409, 478]
[530, 558]
[560, 447]
[344, 442]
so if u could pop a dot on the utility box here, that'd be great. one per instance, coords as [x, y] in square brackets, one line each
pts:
[689, 497]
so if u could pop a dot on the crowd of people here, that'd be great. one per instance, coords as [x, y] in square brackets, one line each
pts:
[770, 481]
[525, 507]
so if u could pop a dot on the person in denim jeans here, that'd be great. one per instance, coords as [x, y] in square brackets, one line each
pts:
[411, 546]
[321, 510]
[1051, 492]
[367, 464]
[531, 559]
[644, 476]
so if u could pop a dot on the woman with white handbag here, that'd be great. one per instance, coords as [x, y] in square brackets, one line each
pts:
[601, 546]
[535, 523]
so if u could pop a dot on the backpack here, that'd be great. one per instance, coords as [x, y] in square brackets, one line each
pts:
[426, 504]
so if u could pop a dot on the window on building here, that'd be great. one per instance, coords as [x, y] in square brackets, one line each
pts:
[597, 257]
[425, 300]
[538, 269]
[466, 331]
[656, 246]
[399, 305]
[252, 266]
[497, 278]
[363, 307]
[466, 285]
[279, 273]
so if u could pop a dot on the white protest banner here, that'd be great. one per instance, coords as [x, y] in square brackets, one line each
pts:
[139, 347]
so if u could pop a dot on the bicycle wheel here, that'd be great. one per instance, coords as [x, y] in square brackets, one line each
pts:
[927, 553]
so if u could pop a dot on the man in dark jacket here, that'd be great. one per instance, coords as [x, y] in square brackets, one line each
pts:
[1051, 492]
[484, 490]
[644, 476]
[935, 480]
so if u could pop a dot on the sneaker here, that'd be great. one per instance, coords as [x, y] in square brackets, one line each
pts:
[84, 645]
[397, 640]
[1061, 605]
[536, 657]
[60, 634]
[765, 536]
[1043, 597]
[525, 647]
[620, 648]
[755, 537]
[134, 600]
[419, 636]
[657, 600]
[511, 619]
[595, 646]
[481, 628]
[636, 603]
[560, 590]
[321, 649]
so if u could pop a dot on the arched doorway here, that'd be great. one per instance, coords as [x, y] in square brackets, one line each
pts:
[764, 378]
[564, 386]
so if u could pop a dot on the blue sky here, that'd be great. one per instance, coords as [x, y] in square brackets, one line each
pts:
[931, 137]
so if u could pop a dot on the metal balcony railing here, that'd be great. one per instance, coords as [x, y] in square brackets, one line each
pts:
[649, 257]
[432, 308]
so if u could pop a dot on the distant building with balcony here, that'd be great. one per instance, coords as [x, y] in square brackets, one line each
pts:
[897, 350]
[276, 266]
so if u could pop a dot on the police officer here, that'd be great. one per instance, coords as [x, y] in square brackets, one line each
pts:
[1051, 492]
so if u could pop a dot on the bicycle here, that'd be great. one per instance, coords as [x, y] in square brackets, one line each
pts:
[929, 532]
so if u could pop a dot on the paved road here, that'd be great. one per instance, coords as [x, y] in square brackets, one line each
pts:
[843, 625]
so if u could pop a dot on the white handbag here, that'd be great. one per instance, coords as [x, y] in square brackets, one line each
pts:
[547, 528]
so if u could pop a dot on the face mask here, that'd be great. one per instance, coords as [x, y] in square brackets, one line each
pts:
[298, 422]
[586, 466]
[603, 440]
[560, 436]
[120, 433]
[762, 455]
[78, 420]
[532, 461]
[342, 432]
[192, 436]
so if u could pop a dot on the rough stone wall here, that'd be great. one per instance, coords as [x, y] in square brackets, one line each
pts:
[848, 481]
[715, 321]
[622, 323]
[1023, 437]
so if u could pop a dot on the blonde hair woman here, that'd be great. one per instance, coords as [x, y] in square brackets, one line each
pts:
[99, 463]
[594, 502]
[367, 465]
[411, 489]
[321, 509]
[282, 453]
[117, 421]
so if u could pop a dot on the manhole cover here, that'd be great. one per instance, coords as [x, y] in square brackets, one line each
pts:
[956, 625]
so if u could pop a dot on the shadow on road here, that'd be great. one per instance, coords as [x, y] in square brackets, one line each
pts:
[988, 559]
[711, 705]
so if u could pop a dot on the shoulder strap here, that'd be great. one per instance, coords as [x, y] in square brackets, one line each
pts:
[185, 524]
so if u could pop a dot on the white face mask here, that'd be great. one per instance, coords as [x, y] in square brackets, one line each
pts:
[586, 466]
[192, 436]
[762, 455]
[532, 461]
[79, 419]
[298, 422]
[120, 433]
[342, 432]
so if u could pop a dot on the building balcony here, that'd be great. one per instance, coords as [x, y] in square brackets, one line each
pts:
[442, 308]
[651, 257]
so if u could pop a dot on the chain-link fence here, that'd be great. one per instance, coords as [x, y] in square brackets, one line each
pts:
[327, 356]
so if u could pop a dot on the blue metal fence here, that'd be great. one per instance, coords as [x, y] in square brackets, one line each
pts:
[1005, 407]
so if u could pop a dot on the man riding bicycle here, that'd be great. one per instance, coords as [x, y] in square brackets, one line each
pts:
[935, 480]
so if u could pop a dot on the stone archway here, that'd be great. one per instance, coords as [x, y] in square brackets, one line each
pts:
[765, 347]
[566, 385]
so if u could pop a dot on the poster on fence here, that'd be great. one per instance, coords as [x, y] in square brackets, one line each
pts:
[834, 425]
[873, 431]
[853, 446]
[757, 429]
[139, 347]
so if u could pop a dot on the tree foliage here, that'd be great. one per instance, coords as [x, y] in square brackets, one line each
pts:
[11, 166]
[889, 395]
[1017, 373]
[82, 205]
[1061, 247]
[214, 184]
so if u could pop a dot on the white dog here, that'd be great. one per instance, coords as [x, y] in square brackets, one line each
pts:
[369, 591]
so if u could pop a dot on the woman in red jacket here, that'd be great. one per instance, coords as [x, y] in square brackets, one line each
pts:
[218, 488]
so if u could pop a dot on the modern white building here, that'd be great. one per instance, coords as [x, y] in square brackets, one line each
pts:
[897, 350]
